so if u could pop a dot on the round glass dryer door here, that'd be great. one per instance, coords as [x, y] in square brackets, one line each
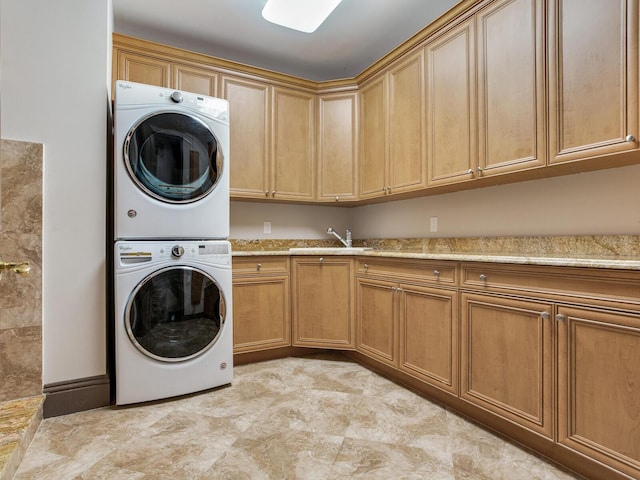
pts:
[173, 157]
[175, 314]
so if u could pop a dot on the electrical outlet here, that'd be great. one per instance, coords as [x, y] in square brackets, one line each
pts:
[267, 227]
[433, 224]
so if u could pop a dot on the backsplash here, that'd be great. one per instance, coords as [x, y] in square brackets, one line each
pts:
[21, 297]
[618, 246]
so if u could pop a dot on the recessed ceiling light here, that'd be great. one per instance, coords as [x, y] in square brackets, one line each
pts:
[302, 15]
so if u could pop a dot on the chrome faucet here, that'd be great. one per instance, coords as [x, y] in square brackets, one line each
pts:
[346, 243]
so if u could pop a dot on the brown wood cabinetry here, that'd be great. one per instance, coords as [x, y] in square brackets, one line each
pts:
[593, 78]
[250, 137]
[392, 135]
[293, 145]
[141, 68]
[195, 79]
[523, 326]
[374, 138]
[323, 304]
[598, 397]
[511, 87]
[405, 318]
[337, 147]
[451, 105]
[507, 359]
[261, 303]
[548, 355]
[407, 168]
[429, 335]
[377, 320]
[486, 111]
[503, 90]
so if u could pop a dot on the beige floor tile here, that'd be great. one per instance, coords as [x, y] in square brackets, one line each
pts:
[317, 417]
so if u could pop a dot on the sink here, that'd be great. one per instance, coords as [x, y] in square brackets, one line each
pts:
[329, 250]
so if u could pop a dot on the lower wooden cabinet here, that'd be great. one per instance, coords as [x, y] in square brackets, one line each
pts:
[261, 304]
[428, 335]
[377, 320]
[405, 320]
[599, 385]
[549, 356]
[507, 359]
[323, 304]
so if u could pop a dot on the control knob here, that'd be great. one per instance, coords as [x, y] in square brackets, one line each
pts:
[177, 251]
[176, 97]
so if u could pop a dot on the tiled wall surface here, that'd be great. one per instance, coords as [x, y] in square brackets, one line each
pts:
[21, 297]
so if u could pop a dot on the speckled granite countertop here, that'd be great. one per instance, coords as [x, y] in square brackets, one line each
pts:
[617, 252]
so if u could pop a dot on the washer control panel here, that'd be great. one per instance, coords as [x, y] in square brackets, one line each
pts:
[215, 252]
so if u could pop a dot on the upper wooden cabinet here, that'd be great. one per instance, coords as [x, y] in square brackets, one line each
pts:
[374, 151]
[407, 163]
[196, 80]
[593, 78]
[392, 117]
[272, 132]
[249, 107]
[506, 89]
[337, 147]
[140, 68]
[511, 87]
[293, 145]
[486, 111]
[451, 105]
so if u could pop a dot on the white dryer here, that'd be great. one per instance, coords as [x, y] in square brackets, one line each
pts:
[171, 157]
[173, 318]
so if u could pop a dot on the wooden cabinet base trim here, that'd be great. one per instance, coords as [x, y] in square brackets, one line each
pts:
[262, 356]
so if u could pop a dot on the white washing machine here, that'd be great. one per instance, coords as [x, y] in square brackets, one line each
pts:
[171, 157]
[173, 318]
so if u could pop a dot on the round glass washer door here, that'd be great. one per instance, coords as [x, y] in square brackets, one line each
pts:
[175, 314]
[173, 157]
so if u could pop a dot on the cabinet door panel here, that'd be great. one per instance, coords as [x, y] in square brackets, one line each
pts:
[293, 174]
[507, 359]
[196, 80]
[337, 147]
[373, 138]
[323, 303]
[249, 104]
[261, 313]
[599, 368]
[429, 335]
[376, 320]
[143, 69]
[407, 164]
[451, 111]
[593, 88]
[511, 83]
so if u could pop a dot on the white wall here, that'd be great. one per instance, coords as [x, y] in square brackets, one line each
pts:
[55, 87]
[594, 203]
[287, 221]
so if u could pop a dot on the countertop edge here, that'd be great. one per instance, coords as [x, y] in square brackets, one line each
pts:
[612, 263]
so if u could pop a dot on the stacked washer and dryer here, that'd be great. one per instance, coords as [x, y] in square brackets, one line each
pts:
[172, 260]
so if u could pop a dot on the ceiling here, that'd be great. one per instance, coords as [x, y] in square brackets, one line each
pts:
[356, 34]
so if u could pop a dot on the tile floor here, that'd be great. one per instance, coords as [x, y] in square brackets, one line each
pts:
[319, 417]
